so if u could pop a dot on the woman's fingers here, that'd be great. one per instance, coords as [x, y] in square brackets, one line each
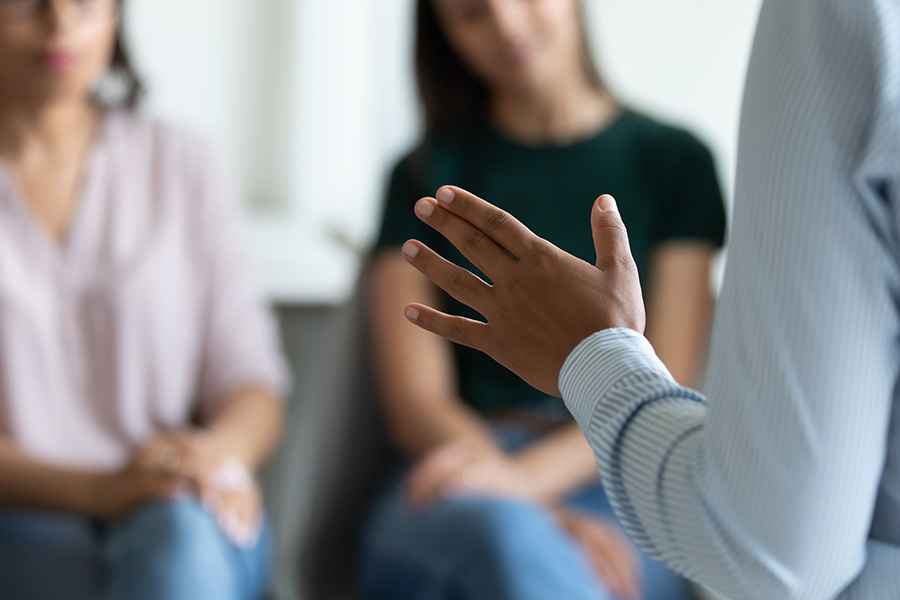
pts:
[496, 224]
[615, 559]
[239, 515]
[427, 478]
[155, 485]
[616, 574]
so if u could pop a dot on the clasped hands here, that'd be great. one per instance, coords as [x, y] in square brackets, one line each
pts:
[542, 302]
[477, 466]
[189, 462]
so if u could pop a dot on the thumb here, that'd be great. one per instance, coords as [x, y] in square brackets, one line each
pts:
[610, 235]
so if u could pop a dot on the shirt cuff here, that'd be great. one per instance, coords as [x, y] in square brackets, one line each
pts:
[598, 364]
[635, 417]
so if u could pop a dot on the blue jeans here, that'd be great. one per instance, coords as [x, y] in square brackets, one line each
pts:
[482, 548]
[166, 550]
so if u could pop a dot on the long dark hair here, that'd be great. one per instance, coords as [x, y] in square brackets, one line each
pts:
[452, 96]
[130, 86]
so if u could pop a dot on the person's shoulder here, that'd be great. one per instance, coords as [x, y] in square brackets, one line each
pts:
[659, 135]
[667, 151]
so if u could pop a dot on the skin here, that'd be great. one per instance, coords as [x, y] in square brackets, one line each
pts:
[531, 327]
[529, 54]
[528, 274]
[48, 124]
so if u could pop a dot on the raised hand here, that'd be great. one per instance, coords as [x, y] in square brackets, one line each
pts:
[543, 301]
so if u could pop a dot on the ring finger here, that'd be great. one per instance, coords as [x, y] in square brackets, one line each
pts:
[463, 285]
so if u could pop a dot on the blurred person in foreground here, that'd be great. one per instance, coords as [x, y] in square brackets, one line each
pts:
[140, 379]
[501, 499]
[783, 483]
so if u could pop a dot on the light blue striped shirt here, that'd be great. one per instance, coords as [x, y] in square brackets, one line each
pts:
[786, 482]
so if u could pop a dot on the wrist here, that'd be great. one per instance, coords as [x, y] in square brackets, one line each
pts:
[539, 486]
[476, 439]
[233, 449]
[91, 494]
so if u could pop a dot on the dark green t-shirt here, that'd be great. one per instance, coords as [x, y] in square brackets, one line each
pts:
[663, 178]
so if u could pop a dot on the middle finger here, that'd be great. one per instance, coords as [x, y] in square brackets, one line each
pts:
[463, 285]
[473, 243]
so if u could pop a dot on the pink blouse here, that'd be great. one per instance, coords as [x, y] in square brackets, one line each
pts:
[145, 317]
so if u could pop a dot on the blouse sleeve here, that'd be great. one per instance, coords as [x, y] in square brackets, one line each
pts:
[241, 346]
[692, 206]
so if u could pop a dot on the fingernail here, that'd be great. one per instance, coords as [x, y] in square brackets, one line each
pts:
[410, 250]
[411, 313]
[424, 208]
[445, 195]
[607, 204]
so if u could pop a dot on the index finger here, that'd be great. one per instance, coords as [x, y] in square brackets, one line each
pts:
[497, 224]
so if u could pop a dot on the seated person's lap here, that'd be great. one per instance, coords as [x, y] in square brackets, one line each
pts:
[476, 547]
[166, 549]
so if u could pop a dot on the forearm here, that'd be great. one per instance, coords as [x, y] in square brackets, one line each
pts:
[29, 484]
[642, 429]
[680, 308]
[420, 427]
[559, 464]
[415, 371]
[248, 425]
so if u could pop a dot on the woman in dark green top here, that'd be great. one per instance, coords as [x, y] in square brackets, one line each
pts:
[501, 500]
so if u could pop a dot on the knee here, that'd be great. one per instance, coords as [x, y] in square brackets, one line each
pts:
[48, 532]
[499, 532]
[180, 533]
[31, 545]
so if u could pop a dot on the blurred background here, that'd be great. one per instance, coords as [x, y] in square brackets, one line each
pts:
[311, 101]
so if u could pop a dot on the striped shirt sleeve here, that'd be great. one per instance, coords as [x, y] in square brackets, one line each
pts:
[780, 484]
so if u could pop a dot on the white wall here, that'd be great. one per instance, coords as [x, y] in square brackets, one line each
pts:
[684, 61]
[311, 100]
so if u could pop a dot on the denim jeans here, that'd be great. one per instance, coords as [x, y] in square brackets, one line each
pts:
[166, 550]
[482, 548]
